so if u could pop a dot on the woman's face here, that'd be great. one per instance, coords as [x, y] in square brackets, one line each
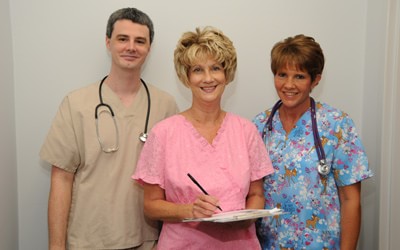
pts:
[294, 87]
[207, 81]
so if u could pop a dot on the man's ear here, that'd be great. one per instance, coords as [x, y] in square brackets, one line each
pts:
[108, 43]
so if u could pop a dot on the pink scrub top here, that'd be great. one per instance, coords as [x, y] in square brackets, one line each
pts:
[225, 168]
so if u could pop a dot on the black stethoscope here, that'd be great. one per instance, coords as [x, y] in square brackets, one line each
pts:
[142, 136]
[323, 168]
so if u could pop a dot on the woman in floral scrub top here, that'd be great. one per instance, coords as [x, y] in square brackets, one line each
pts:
[321, 212]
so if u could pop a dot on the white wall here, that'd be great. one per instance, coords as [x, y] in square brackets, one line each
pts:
[389, 218]
[8, 158]
[59, 46]
[372, 92]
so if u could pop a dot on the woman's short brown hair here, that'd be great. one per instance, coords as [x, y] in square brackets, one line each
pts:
[300, 51]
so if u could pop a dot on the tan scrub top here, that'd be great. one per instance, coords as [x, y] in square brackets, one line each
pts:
[107, 205]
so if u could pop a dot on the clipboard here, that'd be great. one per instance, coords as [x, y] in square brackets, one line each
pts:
[238, 215]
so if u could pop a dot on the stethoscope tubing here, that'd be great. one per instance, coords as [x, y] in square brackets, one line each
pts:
[317, 140]
[323, 168]
[142, 136]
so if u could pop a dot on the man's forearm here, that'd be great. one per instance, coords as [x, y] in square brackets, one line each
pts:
[58, 208]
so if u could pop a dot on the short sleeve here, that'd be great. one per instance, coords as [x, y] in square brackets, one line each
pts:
[350, 160]
[150, 167]
[60, 147]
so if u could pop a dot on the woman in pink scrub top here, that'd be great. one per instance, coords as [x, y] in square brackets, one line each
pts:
[221, 150]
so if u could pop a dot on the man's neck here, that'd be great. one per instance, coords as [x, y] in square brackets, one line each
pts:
[125, 85]
[124, 82]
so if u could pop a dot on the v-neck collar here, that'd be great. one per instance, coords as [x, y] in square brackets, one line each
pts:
[203, 141]
[112, 99]
[294, 129]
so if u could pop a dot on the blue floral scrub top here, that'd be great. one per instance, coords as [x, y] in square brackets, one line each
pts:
[311, 202]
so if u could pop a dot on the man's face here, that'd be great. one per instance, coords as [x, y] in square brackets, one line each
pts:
[129, 45]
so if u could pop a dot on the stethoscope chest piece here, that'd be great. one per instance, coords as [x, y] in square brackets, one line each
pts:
[323, 168]
[143, 137]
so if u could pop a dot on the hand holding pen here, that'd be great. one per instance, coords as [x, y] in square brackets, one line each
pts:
[204, 191]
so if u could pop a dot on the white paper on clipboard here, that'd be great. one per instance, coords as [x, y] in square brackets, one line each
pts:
[239, 215]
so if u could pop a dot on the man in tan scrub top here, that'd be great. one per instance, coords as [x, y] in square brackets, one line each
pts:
[93, 203]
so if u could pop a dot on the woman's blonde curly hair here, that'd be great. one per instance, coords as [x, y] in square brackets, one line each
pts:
[202, 44]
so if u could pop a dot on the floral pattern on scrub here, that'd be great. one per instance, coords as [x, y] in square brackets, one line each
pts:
[311, 202]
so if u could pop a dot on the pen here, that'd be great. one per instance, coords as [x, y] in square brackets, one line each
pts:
[202, 189]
